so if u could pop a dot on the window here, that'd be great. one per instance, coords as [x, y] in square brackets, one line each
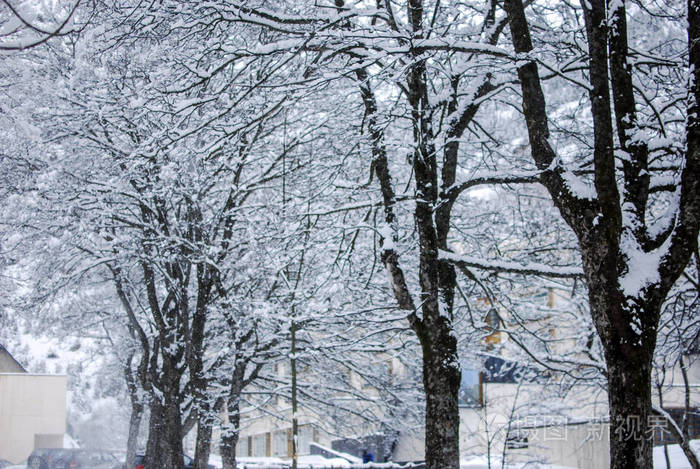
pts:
[306, 435]
[470, 388]
[242, 448]
[261, 445]
[389, 371]
[493, 321]
[279, 443]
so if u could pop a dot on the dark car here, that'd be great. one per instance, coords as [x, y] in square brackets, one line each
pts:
[189, 463]
[62, 458]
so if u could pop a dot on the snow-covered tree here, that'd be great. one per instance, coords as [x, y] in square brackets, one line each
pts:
[635, 233]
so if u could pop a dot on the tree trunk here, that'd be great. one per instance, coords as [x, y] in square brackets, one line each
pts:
[229, 438]
[154, 446]
[203, 444]
[295, 421]
[132, 440]
[172, 436]
[164, 447]
[629, 395]
[441, 378]
[195, 361]
[136, 406]
[627, 328]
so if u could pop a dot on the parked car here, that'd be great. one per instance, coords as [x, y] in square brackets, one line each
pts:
[189, 463]
[139, 462]
[62, 458]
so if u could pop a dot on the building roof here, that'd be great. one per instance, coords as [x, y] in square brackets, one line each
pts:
[498, 370]
[8, 363]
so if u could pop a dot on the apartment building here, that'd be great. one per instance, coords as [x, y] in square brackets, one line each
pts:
[506, 410]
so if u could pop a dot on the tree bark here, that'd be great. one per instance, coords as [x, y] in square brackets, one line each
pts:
[441, 379]
[133, 380]
[172, 436]
[203, 443]
[230, 436]
[136, 407]
[628, 329]
[195, 358]
[293, 369]
[132, 439]
[164, 448]
[629, 396]
[155, 447]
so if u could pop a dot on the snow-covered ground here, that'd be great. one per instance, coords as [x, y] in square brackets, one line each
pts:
[304, 461]
[676, 456]
[478, 462]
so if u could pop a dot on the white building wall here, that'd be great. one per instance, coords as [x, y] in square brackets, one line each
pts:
[32, 409]
[585, 446]
[583, 442]
[8, 364]
[507, 407]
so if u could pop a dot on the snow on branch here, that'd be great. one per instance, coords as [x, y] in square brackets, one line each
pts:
[512, 267]
[35, 35]
[493, 178]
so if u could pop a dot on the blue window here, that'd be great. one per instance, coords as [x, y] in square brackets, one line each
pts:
[470, 388]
